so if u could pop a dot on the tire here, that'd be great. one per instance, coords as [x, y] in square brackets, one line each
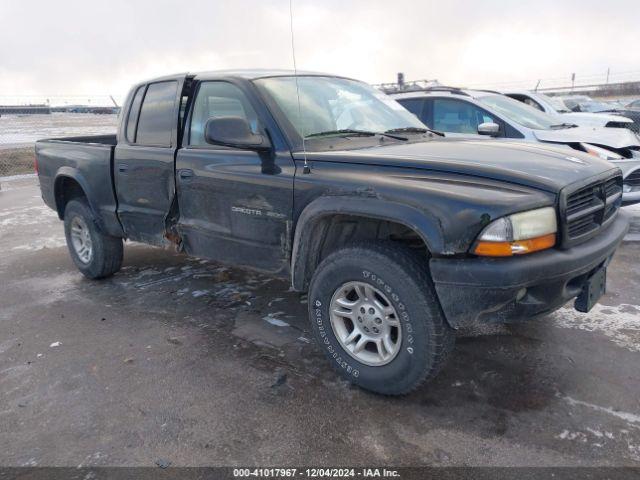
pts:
[423, 340]
[106, 253]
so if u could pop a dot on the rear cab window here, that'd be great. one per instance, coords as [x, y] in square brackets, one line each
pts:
[156, 120]
[134, 110]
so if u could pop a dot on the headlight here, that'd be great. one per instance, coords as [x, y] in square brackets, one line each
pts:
[599, 152]
[519, 233]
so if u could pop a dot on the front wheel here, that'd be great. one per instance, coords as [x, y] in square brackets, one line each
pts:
[376, 316]
[96, 254]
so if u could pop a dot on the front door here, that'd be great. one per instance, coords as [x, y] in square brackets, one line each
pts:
[144, 161]
[235, 204]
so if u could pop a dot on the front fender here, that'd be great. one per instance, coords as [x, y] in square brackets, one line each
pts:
[426, 226]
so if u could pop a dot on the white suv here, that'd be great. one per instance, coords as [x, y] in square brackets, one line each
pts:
[481, 114]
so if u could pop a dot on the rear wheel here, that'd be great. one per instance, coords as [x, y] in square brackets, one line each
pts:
[95, 254]
[376, 316]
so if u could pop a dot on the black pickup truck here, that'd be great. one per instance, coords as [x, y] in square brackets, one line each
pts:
[400, 236]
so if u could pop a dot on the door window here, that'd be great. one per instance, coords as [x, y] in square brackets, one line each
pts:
[457, 116]
[532, 103]
[414, 105]
[157, 115]
[215, 100]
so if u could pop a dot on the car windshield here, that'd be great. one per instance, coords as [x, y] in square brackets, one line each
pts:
[594, 106]
[337, 106]
[574, 100]
[557, 103]
[519, 112]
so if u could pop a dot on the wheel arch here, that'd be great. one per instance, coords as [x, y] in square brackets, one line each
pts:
[314, 227]
[69, 184]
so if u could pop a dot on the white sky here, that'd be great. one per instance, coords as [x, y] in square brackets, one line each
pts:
[87, 47]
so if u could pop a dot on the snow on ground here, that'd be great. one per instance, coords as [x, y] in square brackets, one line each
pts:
[24, 130]
[11, 178]
[621, 323]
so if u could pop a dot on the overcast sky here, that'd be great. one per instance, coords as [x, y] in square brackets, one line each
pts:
[101, 47]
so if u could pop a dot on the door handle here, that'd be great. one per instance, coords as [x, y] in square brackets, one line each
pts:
[186, 173]
[123, 167]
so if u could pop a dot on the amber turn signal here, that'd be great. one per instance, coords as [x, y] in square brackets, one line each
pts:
[507, 249]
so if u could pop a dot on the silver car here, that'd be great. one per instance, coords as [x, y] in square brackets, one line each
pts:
[477, 114]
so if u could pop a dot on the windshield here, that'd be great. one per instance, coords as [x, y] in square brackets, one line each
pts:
[332, 105]
[557, 103]
[573, 101]
[594, 106]
[519, 112]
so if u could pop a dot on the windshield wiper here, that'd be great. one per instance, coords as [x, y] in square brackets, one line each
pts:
[348, 132]
[407, 129]
[343, 131]
[563, 125]
[414, 130]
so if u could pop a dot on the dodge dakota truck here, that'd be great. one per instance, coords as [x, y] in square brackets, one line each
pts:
[399, 236]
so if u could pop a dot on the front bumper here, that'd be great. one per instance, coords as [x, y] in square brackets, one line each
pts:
[498, 290]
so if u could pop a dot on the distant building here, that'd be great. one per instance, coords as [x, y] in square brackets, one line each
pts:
[25, 109]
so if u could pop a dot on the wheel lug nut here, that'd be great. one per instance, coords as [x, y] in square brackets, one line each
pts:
[372, 311]
[361, 309]
[376, 330]
[360, 319]
[378, 321]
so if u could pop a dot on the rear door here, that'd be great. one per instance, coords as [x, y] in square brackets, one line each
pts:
[144, 160]
[235, 204]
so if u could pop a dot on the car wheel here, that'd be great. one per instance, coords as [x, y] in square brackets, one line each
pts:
[96, 254]
[376, 316]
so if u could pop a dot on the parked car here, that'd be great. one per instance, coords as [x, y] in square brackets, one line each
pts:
[584, 103]
[478, 114]
[555, 106]
[635, 104]
[400, 236]
[616, 103]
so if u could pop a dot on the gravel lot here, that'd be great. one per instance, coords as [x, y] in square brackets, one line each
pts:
[182, 360]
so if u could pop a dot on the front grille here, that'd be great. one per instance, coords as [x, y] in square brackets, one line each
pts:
[633, 179]
[587, 209]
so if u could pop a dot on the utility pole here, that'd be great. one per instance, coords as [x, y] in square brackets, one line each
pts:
[537, 85]
[573, 81]
[607, 82]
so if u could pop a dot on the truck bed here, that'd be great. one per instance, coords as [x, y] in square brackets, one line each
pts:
[86, 140]
[87, 161]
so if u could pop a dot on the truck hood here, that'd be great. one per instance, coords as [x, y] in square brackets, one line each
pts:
[588, 119]
[534, 165]
[606, 137]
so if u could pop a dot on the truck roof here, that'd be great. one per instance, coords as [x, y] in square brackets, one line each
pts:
[249, 74]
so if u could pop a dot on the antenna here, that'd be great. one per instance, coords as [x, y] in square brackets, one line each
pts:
[306, 168]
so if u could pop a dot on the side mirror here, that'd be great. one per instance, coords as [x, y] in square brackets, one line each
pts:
[489, 128]
[234, 132]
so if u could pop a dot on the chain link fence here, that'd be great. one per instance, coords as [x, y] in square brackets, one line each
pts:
[19, 132]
